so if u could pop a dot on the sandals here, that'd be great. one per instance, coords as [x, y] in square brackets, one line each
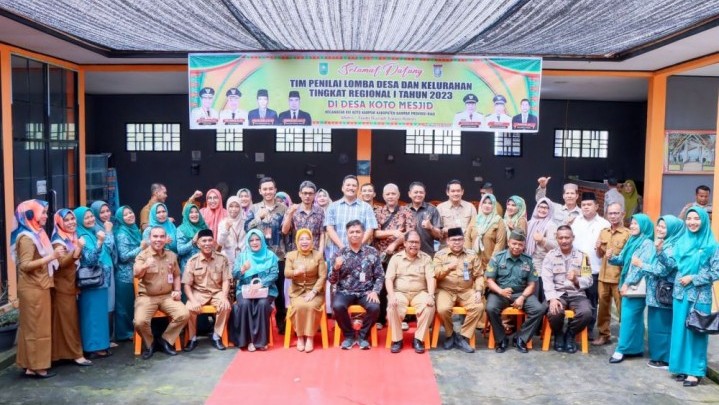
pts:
[101, 354]
[34, 374]
[83, 363]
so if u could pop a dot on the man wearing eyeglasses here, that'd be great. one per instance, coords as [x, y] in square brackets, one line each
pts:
[305, 215]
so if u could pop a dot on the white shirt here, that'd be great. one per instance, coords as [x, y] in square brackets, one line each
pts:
[613, 196]
[239, 114]
[465, 116]
[586, 233]
[199, 112]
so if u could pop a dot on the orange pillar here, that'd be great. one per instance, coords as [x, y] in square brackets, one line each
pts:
[7, 148]
[81, 134]
[364, 151]
[654, 153]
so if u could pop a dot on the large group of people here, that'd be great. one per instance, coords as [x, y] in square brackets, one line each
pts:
[251, 262]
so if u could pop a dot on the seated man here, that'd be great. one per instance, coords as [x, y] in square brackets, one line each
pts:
[565, 275]
[357, 272]
[459, 283]
[159, 288]
[410, 281]
[207, 280]
[511, 278]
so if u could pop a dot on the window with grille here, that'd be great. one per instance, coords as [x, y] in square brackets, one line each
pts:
[153, 137]
[581, 143]
[34, 136]
[507, 144]
[433, 142]
[296, 139]
[229, 140]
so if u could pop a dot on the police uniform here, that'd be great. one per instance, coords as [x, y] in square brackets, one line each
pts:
[608, 288]
[516, 273]
[454, 289]
[206, 278]
[572, 296]
[467, 119]
[408, 278]
[154, 292]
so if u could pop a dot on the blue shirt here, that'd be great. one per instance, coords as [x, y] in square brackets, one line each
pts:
[341, 212]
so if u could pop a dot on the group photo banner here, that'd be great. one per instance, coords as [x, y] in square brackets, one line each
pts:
[373, 91]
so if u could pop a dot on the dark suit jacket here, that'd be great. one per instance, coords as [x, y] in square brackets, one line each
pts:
[255, 114]
[286, 115]
[531, 119]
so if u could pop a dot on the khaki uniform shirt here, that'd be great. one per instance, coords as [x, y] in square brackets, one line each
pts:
[159, 278]
[456, 217]
[409, 276]
[615, 240]
[512, 272]
[554, 274]
[207, 275]
[453, 280]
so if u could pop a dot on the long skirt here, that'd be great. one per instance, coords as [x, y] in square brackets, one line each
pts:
[249, 321]
[659, 328]
[631, 327]
[688, 353]
[306, 315]
[124, 310]
[66, 342]
[94, 327]
[34, 339]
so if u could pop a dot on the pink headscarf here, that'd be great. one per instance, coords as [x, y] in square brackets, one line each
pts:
[26, 217]
[213, 217]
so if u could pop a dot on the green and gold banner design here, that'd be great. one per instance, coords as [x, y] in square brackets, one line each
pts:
[364, 91]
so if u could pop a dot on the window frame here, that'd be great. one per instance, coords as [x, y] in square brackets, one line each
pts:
[175, 137]
[437, 145]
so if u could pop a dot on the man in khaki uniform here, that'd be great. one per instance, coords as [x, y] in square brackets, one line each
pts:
[460, 282]
[207, 281]
[159, 288]
[455, 212]
[410, 281]
[612, 238]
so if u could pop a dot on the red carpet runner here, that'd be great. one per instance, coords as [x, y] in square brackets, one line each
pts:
[332, 376]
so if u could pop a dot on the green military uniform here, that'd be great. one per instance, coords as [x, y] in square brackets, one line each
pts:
[454, 290]
[516, 273]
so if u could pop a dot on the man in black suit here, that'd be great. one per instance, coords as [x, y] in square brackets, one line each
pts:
[262, 115]
[295, 116]
[525, 120]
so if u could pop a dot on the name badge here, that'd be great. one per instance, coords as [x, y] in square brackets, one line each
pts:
[170, 278]
[363, 277]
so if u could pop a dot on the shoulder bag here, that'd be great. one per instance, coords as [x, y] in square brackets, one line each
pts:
[250, 293]
[701, 322]
[638, 290]
[90, 277]
[664, 292]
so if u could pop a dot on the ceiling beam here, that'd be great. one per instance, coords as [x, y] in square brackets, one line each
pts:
[691, 64]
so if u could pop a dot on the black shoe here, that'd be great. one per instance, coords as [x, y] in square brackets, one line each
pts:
[521, 346]
[694, 383]
[217, 344]
[570, 342]
[616, 360]
[463, 344]
[449, 342]
[680, 377]
[502, 346]
[396, 347]
[149, 351]
[167, 348]
[191, 345]
[418, 346]
[559, 343]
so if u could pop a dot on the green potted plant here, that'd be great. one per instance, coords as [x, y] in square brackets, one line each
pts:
[9, 316]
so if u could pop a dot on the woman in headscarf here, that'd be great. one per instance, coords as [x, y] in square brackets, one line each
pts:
[697, 268]
[515, 216]
[213, 212]
[129, 244]
[283, 198]
[635, 258]
[323, 200]
[250, 317]
[192, 223]
[669, 230]
[66, 342]
[92, 303]
[105, 222]
[160, 217]
[632, 199]
[231, 236]
[245, 201]
[541, 237]
[307, 270]
[487, 233]
[36, 262]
